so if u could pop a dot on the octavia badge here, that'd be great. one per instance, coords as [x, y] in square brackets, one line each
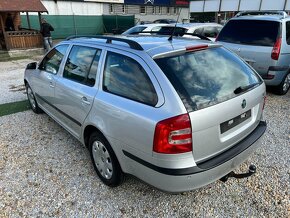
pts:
[244, 104]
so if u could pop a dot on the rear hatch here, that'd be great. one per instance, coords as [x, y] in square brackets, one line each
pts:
[223, 96]
[253, 40]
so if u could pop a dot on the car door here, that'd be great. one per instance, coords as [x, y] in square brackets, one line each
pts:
[75, 89]
[43, 81]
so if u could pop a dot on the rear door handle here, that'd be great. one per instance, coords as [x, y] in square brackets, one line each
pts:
[85, 100]
[51, 85]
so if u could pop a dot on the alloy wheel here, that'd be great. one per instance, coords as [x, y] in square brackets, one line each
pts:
[31, 97]
[286, 84]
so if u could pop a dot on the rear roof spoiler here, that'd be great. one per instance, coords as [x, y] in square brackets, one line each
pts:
[283, 14]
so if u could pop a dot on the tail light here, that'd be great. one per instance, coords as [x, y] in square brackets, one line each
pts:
[276, 49]
[173, 135]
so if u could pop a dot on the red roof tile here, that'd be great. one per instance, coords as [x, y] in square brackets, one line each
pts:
[22, 6]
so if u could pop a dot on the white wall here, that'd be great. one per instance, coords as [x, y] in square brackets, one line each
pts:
[184, 15]
[76, 8]
[233, 5]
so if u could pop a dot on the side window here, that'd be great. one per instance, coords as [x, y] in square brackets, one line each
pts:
[198, 31]
[210, 32]
[288, 32]
[156, 29]
[53, 59]
[82, 64]
[125, 77]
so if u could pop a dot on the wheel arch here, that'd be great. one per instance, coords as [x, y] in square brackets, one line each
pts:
[89, 129]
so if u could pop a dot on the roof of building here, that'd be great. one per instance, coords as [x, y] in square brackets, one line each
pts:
[22, 6]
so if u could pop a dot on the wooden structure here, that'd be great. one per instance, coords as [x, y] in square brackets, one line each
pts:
[19, 38]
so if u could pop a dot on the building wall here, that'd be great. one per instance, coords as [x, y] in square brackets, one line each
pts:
[142, 13]
[73, 8]
[147, 13]
[237, 5]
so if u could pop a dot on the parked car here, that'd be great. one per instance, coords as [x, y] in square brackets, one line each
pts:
[209, 30]
[160, 29]
[178, 114]
[262, 39]
[168, 21]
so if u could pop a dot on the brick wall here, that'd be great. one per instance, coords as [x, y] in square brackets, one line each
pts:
[16, 19]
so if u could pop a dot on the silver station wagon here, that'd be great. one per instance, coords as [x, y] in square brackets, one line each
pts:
[176, 113]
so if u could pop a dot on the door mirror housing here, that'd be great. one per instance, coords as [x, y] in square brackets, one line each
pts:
[31, 66]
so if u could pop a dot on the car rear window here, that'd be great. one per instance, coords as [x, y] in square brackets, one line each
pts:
[250, 32]
[207, 77]
[134, 30]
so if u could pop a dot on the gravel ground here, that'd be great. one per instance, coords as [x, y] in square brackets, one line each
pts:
[11, 80]
[45, 172]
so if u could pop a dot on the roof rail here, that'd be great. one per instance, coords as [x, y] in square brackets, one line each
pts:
[133, 44]
[156, 33]
[247, 13]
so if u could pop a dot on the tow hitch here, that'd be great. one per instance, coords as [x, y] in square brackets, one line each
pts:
[252, 170]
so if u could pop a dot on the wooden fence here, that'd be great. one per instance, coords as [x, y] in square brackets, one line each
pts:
[23, 39]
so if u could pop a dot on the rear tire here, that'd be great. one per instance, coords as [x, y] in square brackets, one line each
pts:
[105, 161]
[32, 100]
[283, 88]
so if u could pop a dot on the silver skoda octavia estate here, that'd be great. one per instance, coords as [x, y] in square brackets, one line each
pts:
[176, 113]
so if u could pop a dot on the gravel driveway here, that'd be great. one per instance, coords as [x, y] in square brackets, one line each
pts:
[45, 172]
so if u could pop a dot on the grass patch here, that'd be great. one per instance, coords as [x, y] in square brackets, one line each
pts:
[14, 107]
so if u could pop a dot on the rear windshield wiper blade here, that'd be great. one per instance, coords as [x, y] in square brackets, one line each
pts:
[241, 89]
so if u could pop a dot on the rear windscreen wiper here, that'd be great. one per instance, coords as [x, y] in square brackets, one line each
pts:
[241, 89]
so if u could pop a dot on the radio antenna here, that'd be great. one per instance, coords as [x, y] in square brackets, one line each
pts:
[170, 37]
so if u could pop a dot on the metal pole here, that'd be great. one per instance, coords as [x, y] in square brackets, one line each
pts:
[220, 6]
[28, 21]
[285, 4]
[260, 5]
[4, 33]
[39, 19]
[239, 5]
[203, 6]
[74, 21]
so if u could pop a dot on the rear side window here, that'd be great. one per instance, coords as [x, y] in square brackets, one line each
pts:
[81, 65]
[135, 30]
[207, 77]
[288, 32]
[198, 31]
[210, 31]
[167, 30]
[250, 32]
[125, 77]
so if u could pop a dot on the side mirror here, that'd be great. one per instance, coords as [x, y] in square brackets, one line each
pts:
[31, 66]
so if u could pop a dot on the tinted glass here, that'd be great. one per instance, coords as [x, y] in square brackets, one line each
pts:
[198, 31]
[167, 30]
[210, 31]
[207, 77]
[250, 32]
[135, 30]
[288, 32]
[52, 60]
[80, 66]
[125, 77]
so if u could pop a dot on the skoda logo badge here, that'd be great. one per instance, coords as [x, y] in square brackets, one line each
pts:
[244, 104]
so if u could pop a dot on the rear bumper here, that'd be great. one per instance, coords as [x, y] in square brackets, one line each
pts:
[275, 75]
[184, 179]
